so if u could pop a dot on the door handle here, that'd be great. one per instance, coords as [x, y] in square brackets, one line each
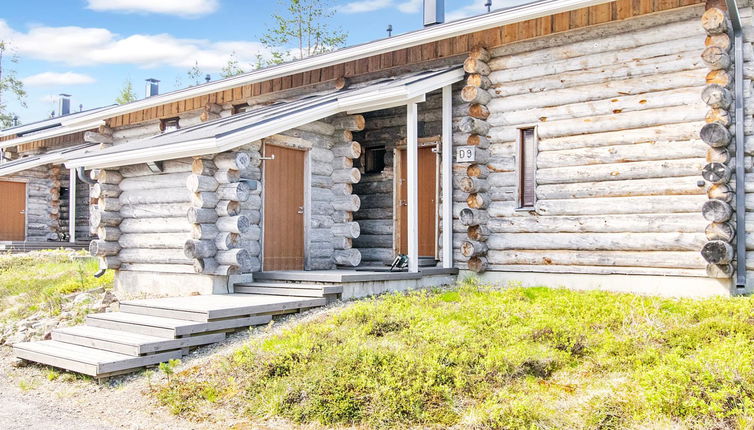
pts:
[403, 203]
[301, 209]
[22, 212]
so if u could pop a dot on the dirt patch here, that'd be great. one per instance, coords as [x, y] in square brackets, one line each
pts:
[32, 401]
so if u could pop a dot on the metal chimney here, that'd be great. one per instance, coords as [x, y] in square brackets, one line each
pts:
[434, 12]
[64, 104]
[152, 87]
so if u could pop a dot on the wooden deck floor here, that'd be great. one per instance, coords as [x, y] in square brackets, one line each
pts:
[26, 246]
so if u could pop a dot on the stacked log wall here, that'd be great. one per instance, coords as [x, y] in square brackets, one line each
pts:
[82, 207]
[376, 218]
[140, 217]
[619, 153]
[719, 133]
[42, 188]
[332, 201]
[218, 191]
[474, 128]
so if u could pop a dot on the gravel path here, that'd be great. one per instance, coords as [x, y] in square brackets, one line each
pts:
[30, 401]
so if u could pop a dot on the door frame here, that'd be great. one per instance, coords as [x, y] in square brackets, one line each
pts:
[397, 160]
[26, 202]
[307, 200]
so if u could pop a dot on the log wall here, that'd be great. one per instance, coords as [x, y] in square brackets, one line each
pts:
[619, 153]
[386, 129]
[82, 207]
[140, 217]
[42, 189]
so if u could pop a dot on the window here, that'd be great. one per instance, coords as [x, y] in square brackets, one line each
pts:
[169, 124]
[240, 108]
[372, 160]
[527, 167]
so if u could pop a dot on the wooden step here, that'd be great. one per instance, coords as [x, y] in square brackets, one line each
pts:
[128, 343]
[287, 289]
[89, 361]
[212, 307]
[167, 327]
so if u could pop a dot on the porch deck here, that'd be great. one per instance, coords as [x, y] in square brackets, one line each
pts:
[26, 246]
[149, 331]
[361, 274]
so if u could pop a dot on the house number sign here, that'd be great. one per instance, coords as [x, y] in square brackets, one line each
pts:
[465, 154]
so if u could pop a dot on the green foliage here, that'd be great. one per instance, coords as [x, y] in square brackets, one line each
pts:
[36, 281]
[478, 357]
[232, 67]
[127, 94]
[301, 30]
[10, 86]
[195, 75]
[168, 367]
[51, 374]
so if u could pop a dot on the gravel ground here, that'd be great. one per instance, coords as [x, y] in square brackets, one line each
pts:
[30, 401]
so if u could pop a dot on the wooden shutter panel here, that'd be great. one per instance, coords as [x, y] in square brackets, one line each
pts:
[527, 168]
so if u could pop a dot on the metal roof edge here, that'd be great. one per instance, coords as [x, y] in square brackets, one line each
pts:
[426, 35]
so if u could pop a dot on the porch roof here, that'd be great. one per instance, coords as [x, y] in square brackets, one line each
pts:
[227, 133]
[54, 156]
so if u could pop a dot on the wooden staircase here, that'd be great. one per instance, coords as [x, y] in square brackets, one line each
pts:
[150, 331]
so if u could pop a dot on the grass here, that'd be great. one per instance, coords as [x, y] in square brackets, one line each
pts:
[475, 357]
[38, 281]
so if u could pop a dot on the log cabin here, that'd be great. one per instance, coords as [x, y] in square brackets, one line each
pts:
[575, 143]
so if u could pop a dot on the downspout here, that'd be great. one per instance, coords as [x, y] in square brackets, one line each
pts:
[738, 48]
[83, 177]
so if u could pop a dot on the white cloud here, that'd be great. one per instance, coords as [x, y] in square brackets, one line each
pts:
[80, 46]
[49, 99]
[410, 6]
[60, 79]
[184, 8]
[361, 6]
[472, 9]
[364, 6]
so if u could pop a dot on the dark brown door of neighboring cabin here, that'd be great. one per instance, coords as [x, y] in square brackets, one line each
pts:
[427, 202]
[283, 209]
[12, 210]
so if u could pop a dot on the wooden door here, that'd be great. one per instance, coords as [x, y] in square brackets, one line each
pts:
[12, 210]
[427, 203]
[283, 209]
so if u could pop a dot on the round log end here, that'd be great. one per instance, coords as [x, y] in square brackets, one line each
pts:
[717, 252]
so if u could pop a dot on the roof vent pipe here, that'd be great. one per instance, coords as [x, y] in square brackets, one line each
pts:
[434, 12]
[152, 88]
[64, 104]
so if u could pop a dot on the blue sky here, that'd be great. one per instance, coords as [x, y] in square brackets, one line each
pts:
[89, 48]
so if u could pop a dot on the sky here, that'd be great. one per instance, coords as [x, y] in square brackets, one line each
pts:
[90, 48]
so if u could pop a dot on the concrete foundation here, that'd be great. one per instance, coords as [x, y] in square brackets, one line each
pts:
[153, 284]
[355, 290]
[665, 286]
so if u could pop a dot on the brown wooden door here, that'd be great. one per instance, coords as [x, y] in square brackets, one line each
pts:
[427, 203]
[12, 209]
[284, 209]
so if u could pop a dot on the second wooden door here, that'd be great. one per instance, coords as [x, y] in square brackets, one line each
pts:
[12, 210]
[283, 209]
[427, 202]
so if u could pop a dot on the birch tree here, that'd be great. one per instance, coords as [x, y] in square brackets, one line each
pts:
[301, 29]
[127, 94]
[10, 86]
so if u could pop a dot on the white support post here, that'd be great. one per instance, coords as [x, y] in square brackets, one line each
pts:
[447, 177]
[412, 165]
[72, 205]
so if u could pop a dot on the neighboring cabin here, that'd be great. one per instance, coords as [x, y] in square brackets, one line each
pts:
[589, 168]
